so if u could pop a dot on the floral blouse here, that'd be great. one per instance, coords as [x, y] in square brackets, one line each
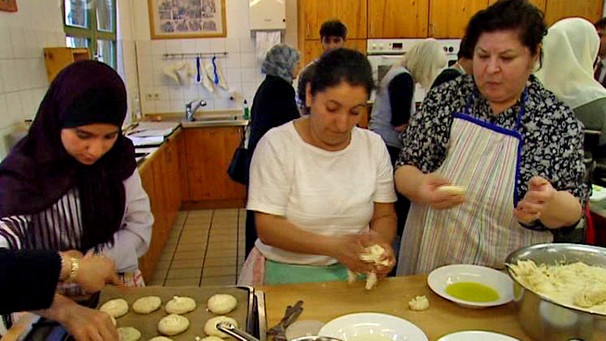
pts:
[552, 136]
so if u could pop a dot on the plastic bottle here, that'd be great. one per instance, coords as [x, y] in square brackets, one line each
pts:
[245, 111]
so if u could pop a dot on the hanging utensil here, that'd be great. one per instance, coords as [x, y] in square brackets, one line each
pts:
[198, 75]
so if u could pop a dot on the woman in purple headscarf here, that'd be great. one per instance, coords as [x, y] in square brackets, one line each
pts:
[72, 182]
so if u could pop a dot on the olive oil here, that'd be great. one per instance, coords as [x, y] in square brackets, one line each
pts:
[472, 292]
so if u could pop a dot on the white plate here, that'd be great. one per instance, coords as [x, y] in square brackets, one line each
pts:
[372, 327]
[476, 335]
[442, 277]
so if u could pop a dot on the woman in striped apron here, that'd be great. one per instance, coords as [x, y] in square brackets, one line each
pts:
[508, 141]
[72, 183]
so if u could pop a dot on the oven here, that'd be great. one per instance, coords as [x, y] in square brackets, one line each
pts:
[383, 53]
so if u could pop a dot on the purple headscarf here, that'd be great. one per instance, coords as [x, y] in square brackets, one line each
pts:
[38, 171]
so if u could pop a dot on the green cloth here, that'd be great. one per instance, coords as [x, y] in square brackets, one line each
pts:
[283, 273]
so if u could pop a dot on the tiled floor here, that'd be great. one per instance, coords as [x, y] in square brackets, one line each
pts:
[205, 247]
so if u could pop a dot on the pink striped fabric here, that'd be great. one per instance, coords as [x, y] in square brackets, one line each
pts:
[482, 230]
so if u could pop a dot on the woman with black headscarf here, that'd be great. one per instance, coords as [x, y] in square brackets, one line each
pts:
[274, 104]
[72, 183]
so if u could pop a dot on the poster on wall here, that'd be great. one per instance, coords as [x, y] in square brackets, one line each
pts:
[8, 5]
[178, 19]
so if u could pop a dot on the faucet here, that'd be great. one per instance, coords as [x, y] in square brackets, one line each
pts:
[192, 107]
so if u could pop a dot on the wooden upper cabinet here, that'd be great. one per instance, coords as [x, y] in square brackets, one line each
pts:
[558, 9]
[312, 49]
[539, 3]
[398, 18]
[314, 12]
[449, 18]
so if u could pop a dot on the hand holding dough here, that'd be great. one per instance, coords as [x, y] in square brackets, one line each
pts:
[451, 189]
[371, 254]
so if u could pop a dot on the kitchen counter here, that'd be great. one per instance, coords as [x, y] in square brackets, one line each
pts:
[326, 301]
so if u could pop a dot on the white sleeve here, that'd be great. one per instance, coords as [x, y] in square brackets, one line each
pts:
[133, 238]
[385, 192]
[269, 180]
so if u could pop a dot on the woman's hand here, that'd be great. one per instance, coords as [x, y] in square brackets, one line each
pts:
[83, 323]
[540, 192]
[428, 192]
[387, 259]
[95, 272]
[347, 250]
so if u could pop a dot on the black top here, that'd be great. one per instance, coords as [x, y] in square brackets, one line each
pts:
[445, 76]
[401, 91]
[273, 105]
[28, 279]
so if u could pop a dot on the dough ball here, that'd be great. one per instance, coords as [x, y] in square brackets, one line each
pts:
[455, 190]
[129, 334]
[180, 305]
[113, 320]
[147, 304]
[221, 304]
[210, 327]
[160, 338]
[173, 324]
[115, 308]
[419, 303]
[211, 338]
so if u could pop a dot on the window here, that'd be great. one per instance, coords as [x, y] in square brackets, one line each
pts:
[92, 24]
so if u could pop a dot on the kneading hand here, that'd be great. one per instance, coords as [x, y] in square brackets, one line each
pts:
[540, 192]
[95, 272]
[347, 250]
[430, 195]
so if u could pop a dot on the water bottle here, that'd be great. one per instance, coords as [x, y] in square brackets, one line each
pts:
[245, 111]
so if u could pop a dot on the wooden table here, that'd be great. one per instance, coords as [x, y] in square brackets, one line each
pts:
[326, 301]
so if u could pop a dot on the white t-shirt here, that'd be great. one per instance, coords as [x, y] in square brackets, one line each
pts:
[320, 191]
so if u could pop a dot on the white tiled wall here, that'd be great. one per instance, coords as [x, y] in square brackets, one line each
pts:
[22, 71]
[240, 67]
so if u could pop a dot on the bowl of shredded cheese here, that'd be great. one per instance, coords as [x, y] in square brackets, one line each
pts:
[560, 290]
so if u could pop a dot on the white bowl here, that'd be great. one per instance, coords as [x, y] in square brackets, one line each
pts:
[444, 276]
[476, 335]
[372, 327]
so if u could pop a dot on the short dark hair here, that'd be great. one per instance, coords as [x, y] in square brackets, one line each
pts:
[518, 15]
[600, 24]
[342, 65]
[333, 28]
[465, 51]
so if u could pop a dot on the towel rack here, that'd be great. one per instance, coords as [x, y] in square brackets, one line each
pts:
[195, 54]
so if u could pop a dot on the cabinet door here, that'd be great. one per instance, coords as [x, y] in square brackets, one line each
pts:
[539, 3]
[558, 9]
[351, 12]
[398, 18]
[449, 18]
[209, 152]
[312, 49]
[147, 261]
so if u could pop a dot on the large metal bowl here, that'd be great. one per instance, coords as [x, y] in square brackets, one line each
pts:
[544, 319]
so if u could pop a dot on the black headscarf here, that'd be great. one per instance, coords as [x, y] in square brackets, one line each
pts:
[38, 171]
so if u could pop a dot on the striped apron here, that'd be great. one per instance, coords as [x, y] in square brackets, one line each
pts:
[482, 230]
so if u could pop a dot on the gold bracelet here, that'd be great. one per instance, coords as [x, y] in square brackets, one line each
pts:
[75, 266]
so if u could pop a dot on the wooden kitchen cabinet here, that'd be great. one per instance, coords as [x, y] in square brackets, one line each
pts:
[312, 49]
[449, 18]
[539, 3]
[160, 179]
[558, 9]
[312, 13]
[208, 152]
[398, 18]
[57, 58]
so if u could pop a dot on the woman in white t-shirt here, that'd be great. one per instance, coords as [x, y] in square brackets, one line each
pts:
[321, 188]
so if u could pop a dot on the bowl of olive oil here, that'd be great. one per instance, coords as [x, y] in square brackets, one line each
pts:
[471, 286]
